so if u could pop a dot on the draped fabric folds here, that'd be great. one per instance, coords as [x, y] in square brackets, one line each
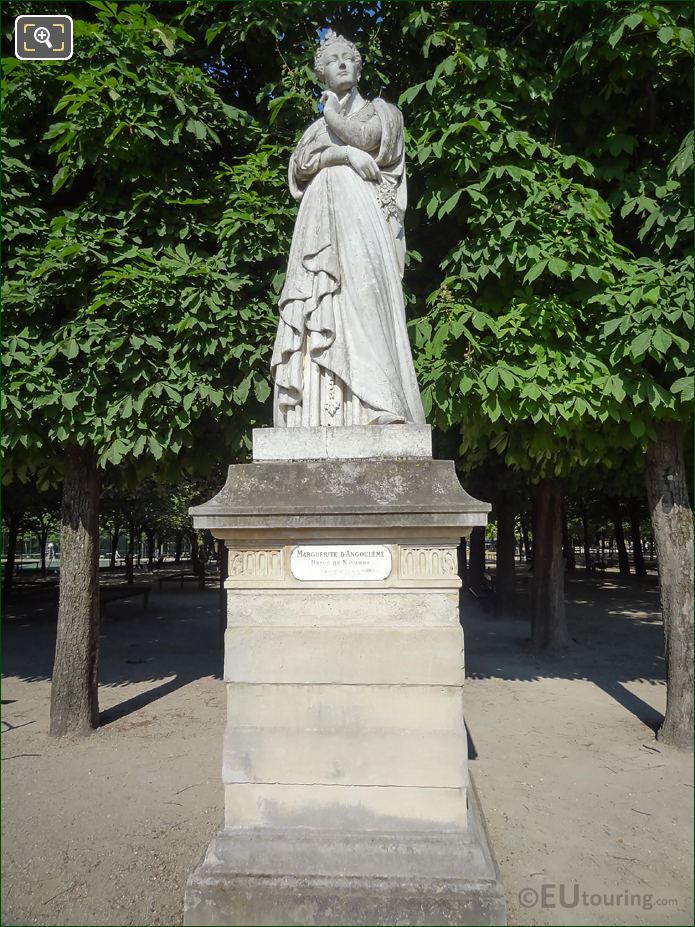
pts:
[341, 354]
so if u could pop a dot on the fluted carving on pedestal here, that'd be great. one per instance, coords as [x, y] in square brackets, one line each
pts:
[256, 564]
[428, 562]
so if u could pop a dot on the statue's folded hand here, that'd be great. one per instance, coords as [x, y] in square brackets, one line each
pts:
[331, 103]
[364, 164]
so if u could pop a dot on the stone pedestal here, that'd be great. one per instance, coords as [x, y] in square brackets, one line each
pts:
[347, 795]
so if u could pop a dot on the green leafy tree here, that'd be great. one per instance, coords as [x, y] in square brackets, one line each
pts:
[137, 314]
[642, 145]
[560, 218]
[148, 226]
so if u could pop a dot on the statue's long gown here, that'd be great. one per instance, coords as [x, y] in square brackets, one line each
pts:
[341, 354]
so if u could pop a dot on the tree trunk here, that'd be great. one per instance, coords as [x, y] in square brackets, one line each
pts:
[74, 697]
[197, 563]
[129, 557]
[42, 538]
[223, 557]
[633, 508]
[525, 538]
[548, 620]
[44, 544]
[150, 550]
[115, 537]
[463, 559]
[586, 540]
[567, 545]
[505, 576]
[476, 566]
[179, 547]
[617, 516]
[13, 526]
[673, 534]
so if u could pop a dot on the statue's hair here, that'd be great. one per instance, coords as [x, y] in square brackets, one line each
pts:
[329, 39]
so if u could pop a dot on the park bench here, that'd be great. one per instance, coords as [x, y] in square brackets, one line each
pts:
[112, 593]
[485, 596]
[180, 576]
[38, 585]
[26, 561]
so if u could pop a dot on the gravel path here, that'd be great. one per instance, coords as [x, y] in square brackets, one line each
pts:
[105, 830]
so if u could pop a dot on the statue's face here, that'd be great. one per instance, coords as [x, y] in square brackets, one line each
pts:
[340, 72]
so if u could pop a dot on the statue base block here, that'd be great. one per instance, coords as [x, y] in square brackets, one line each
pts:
[287, 877]
[345, 763]
[322, 443]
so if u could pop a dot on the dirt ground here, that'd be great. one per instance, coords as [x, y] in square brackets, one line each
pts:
[590, 817]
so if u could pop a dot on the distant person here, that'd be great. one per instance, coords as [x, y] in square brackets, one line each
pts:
[50, 552]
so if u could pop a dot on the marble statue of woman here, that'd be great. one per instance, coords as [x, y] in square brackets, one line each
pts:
[341, 354]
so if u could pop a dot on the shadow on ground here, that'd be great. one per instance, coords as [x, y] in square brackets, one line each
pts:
[615, 623]
[173, 642]
[617, 638]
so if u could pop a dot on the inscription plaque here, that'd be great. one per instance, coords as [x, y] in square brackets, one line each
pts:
[347, 562]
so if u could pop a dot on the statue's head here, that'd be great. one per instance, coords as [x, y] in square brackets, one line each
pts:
[337, 63]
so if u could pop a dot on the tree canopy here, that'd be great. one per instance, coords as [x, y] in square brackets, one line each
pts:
[549, 273]
[560, 328]
[147, 222]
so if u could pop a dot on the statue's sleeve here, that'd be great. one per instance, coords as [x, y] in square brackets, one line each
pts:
[391, 161]
[392, 147]
[306, 157]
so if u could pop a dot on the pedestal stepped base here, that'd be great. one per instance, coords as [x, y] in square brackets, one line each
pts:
[342, 443]
[345, 764]
[299, 877]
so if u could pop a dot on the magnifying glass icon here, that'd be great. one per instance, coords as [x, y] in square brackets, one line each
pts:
[42, 35]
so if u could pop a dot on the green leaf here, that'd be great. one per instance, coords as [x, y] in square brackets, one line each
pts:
[684, 388]
[117, 451]
[262, 389]
[449, 204]
[241, 392]
[610, 326]
[432, 206]
[165, 39]
[637, 427]
[61, 177]
[665, 34]
[661, 340]
[634, 19]
[507, 378]
[196, 127]
[557, 266]
[535, 271]
[409, 95]
[155, 447]
[640, 344]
